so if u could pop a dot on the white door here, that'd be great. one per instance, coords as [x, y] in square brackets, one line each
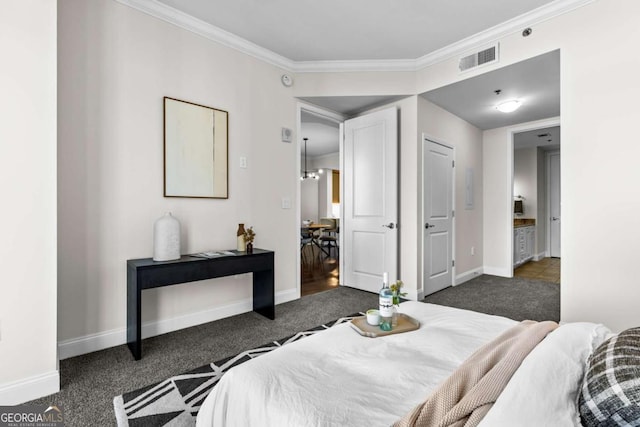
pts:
[554, 205]
[438, 216]
[369, 223]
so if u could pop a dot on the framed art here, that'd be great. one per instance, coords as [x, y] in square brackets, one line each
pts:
[195, 150]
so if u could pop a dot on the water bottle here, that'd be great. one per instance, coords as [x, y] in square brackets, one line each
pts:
[386, 304]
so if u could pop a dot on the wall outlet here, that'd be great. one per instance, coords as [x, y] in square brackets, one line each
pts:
[243, 162]
[286, 203]
[473, 250]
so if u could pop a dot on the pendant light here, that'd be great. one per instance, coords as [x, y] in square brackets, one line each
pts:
[306, 174]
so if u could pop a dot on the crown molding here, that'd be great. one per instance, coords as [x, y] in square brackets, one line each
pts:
[211, 32]
[354, 65]
[493, 34]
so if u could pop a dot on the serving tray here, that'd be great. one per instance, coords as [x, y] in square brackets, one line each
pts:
[406, 323]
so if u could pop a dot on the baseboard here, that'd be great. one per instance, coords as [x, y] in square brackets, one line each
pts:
[31, 388]
[468, 275]
[414, 295]
[539, 256]
[498, 271]
[94, 342]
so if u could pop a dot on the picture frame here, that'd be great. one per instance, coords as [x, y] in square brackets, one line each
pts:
[196, 146]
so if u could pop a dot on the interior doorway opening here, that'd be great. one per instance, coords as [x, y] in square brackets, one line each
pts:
[536, 203]
[319, 199]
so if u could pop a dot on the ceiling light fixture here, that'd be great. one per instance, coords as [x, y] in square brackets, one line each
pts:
[306, 174]
[509, 106]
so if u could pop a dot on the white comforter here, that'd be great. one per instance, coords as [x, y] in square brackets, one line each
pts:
[339, 378]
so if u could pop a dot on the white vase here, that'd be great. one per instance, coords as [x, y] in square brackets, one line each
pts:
[166, 238]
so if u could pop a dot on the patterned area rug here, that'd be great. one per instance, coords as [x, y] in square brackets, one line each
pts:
[175, 401]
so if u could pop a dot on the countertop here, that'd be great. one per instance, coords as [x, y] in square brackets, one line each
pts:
[523, 222]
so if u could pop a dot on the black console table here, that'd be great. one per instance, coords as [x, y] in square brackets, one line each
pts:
[146, 274]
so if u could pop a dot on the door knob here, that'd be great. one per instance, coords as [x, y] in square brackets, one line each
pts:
[427, 225]
[390, 225]
[553, 218]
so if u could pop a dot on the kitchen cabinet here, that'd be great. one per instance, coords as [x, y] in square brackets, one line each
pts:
[524, 243]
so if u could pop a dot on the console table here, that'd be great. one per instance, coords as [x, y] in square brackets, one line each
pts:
[146, 274]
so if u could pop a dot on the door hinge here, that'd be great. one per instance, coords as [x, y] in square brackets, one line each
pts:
[453, 263]
[453, 214]
[453, 163]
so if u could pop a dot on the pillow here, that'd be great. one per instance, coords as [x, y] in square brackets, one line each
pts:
[544, 390]
[611, 389]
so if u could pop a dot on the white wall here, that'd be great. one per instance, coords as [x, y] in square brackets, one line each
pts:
[598, 270]
[309, 200]
[28, 356]
[499, 164]
[326, 161]
[467, 142]
[541, 214]
[115, 65]
[525, 180]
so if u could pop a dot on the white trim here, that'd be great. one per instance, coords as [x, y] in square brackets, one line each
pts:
[414, 295]
[499, 271]
[346, 66]
[208, 31]
[547, 166]
[24, 390]
[334, 117]
[468, 275]
[539, 256]
[493, 34]
[216, 34]
[525, 127]
[94, 342]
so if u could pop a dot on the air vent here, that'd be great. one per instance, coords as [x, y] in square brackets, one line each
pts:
[483, 57]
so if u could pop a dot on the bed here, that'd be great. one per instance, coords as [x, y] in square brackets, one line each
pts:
[339, 378]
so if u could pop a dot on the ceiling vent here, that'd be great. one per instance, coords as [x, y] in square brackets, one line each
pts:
[487, 55]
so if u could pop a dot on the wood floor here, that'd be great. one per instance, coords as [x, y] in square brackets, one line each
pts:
[547, 269]
[319, 273]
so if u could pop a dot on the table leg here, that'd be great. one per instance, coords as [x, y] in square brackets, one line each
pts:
[264, 294]
[134, 315]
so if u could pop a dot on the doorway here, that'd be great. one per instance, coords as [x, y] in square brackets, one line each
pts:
[319, 200]
[438, 163]
[536, 200]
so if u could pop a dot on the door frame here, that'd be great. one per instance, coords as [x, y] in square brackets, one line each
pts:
[547, 166]
[428, 137]
[539, 124]
[329, 115]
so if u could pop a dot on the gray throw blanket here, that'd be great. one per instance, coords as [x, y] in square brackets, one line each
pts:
[468, 394]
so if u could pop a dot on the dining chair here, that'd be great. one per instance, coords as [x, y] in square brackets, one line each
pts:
[329, 236]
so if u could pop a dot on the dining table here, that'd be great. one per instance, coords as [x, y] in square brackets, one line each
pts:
[311, 229]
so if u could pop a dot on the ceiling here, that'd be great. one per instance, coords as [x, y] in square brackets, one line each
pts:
[335, 30]
[323, 134]
[548, 139]
[535, 81]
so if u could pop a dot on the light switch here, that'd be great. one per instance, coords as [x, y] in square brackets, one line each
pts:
[286, 203]
[243, 162]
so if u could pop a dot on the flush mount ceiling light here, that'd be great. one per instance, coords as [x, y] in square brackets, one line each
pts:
[509, 106]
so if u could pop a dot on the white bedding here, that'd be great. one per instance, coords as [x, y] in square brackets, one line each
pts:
[339, 378]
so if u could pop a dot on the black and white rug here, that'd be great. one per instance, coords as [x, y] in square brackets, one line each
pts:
[175, 401]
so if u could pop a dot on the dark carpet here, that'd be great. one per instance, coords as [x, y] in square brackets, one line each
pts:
[90, 381]
[176, 401]
[517, 298]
